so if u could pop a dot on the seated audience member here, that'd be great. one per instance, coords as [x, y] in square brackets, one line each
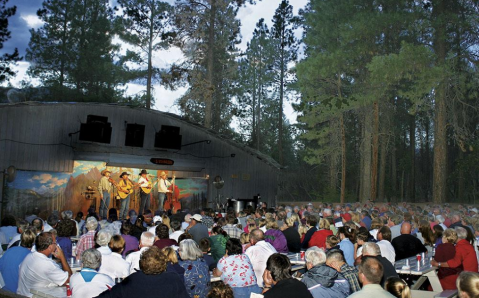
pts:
[131, 243]
[311, 222]
[438, 231]
[332, 242]
[302, 230]
[68, 215]
[370, 274]
[426, 235]
[236, 270]
[406, 245]
[146, 241]
[319, 237]
[162, 232]
[335, 259]
[172, 262]
[102, 239]
[258, 253]
[38, 270]
[397, 287]
[278, 282]
[152, 278]
[205, 247]
[113, 264]
[372, 250]
[384, 242]
[323, 281]
[221, 290]
[245, 241]
[8, 228]
[22, 225]
[230, 228]
[275, 237]
[197, 229]
[197, 275]
[87, 240]
[64, 230]
[176, 227]
[361, 238]
[346, 235]
[88, 282]
[186, 223]
[293, 239]
[445, 252]
[218, 240]
[465, 256]
[468, 284]
[13, 257]
[51, 223]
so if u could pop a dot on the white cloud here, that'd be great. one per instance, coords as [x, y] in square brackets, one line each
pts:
[32, 20]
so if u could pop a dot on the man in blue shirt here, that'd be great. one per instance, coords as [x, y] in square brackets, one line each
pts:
[13, 257]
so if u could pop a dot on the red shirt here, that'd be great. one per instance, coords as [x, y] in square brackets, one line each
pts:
[319, 238]
[465, 256]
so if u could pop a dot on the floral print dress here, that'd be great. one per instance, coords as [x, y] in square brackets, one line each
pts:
[197, 277]
[237, 271]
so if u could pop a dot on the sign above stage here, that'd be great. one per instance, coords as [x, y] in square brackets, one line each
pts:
[162, 161]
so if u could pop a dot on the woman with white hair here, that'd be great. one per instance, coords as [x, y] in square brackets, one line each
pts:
[187, 222]
[88, 282]
[87, 240]
[323, 281]
[197, 275]
[103, 239]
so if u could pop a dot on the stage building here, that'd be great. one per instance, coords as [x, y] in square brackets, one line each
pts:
[52, 154]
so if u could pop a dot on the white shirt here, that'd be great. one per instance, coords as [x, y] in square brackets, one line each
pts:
[104, 250]
[143, 182]
[163, 184]
[47, 227]
[14, 239]
[184, 225]
[39, 271]
[258, 255]
[387, 250]
[152, 230]
[82, 289]
[134, 259]
[175, 235]
[114, 266]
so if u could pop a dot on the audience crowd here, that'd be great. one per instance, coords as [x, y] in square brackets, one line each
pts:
[349, 251]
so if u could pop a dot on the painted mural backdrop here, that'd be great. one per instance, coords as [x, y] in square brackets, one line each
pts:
[77, 191]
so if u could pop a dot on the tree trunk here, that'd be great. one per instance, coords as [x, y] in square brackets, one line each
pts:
[440, 137]
[333, 161]
[382, 162]
[366, 155]
[412, 173]
[394, 172]
[210, 67]
[375, 150]
[343, 159]
[280, 110]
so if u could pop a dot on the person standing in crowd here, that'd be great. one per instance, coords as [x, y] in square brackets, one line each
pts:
[236, 270]
[144, 183]
[278, 282]
[197, 229]
[13, 257]
[370, 274]
[152, 278]
[38, 270]
[163, 185]
[104, 188]
[258, 253]
[87, 240]
[88, 282]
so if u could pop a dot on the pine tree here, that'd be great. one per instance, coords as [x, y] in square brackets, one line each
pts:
[7, 60]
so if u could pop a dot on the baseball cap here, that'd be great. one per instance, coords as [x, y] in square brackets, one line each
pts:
[197, 217]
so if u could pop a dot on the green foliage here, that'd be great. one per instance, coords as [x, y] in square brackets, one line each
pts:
[6, 60]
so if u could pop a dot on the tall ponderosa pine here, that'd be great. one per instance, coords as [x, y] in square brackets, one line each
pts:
[72, 53]
[147, 25]
[7, 60]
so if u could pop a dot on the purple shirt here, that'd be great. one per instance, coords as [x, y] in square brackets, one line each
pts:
[131, 243]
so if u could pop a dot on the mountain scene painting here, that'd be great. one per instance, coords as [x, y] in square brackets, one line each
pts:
[78, 191]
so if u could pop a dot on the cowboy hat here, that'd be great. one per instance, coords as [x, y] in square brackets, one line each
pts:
[123, 174]
[105, 171]
[143, 172]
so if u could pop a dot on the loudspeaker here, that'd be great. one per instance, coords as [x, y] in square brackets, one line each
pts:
[135, 134]
[167, 141]
[95, 132]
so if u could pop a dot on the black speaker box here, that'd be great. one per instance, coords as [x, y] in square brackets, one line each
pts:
[135, 134]
[95, 132]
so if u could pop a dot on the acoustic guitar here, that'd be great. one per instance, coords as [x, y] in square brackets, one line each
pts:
[148, 189]
[125, 191]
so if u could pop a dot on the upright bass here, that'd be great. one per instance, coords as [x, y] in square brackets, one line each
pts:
[172, 201]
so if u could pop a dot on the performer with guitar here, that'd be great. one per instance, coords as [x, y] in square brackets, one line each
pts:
[163, 185]
[146, 187]
[125, 188]
[104, 188]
